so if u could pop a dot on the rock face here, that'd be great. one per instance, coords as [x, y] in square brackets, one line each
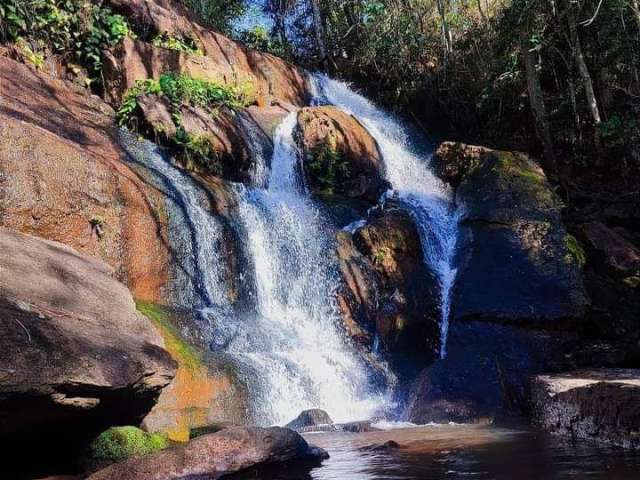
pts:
[75, 355]
[72, 184]
[611, 250]
[224, 60]
[389, 293]
[309, 419]
[601, 405]
[484, 375]
[340, 156]
[218, 454]
[517, 262]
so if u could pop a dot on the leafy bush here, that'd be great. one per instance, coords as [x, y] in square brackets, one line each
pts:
[260, 39]
[82, 29]
[182, 89]
[182, 43]
[119, 443]
[328, 169]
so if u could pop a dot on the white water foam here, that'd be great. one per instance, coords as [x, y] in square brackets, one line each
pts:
[427, 198]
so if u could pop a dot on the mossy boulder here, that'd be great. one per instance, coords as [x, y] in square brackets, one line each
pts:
[516, 261]
[120, 443]
[340, 156]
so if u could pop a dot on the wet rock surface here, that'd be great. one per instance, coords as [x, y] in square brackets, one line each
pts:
[516, 260]
[601, 405]
[216, 455]
[389, 293]
[310, 419]
[75, 355]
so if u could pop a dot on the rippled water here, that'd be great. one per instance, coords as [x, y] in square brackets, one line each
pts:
[461, 452]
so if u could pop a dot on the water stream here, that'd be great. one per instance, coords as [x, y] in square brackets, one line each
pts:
[426, 198]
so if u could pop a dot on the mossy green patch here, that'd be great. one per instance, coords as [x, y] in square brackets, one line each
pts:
[327, 168]
[575, 252]
[182, 352]
[119, 443]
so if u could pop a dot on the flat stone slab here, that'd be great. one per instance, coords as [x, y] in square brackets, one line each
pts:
[601, 405]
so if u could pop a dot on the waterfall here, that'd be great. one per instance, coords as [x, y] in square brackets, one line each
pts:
[288, 348]
[293, 341]
[426, 198]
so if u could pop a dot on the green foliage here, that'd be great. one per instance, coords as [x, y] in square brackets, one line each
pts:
[259, 38]
[328, 169]
[79, 28]
[120, 443]
[181, 43]
[197, 149]
[217, 14]
[34, 58]
[575, 252]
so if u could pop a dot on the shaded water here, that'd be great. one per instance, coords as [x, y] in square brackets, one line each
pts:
[461, 452]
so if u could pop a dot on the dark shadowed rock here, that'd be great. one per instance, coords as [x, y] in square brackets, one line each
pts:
[309, 419]
[484, 376]
[389, 293]
[617, 255]
[75, 355]
[516, 260]
[215, 455]
[357, 427]
[340, 156]
[601, 405]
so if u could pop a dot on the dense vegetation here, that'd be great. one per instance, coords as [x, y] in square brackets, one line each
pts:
[77, 30]
[560, 79]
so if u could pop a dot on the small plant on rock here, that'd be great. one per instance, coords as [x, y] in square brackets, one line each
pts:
[120, 443]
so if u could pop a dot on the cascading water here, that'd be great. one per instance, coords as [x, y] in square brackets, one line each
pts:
[426, 198]
[292, 342]
[287, 348]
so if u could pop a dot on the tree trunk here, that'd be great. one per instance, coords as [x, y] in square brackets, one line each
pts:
[446, 33]
[635, 5]
[319, 34]
[536, 101]
[587, 83]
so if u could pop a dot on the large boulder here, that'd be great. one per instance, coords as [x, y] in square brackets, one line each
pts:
[216, 455]
[601, 405]
[223, 60]
[340, 156]
[75, 355]
[63, 176]
[516, 260]
[389, 294]
[485, 375]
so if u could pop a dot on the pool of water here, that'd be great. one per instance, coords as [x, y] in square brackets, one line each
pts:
[461, 452]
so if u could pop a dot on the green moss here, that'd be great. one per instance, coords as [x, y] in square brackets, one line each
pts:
[119, 443]
[575, 252]
[327, 169]
[182, 352]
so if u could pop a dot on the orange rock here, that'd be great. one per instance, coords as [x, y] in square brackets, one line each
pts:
[63, 177]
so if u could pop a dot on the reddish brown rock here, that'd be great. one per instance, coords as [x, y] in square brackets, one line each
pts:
[63, 177]
[224, 60]
[388, 292]
[216, 455]
[75, 356]
[340, 155]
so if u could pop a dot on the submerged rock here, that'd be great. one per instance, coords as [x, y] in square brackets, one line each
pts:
[75, 356]
[216, 455]
[309, 419]
[381, 447]
[601, 405]
[516, 261]
[340, 156]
